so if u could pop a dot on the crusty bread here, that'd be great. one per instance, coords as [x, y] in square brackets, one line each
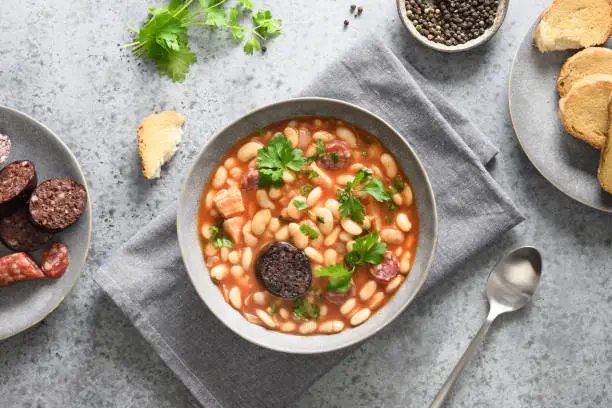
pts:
[604, 173]
[573, 24]
[584, 111]
[158, 137]
[593, 60]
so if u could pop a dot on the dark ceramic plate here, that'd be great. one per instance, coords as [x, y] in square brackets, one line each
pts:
[568, 163]
[25, 304]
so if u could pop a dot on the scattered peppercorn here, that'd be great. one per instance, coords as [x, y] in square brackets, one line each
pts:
[264, 49]
[346, 23]
[360, 10]
[451, 22]
[353, 7]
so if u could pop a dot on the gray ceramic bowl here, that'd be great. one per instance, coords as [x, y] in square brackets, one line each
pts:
[222, 142]
[488, 34]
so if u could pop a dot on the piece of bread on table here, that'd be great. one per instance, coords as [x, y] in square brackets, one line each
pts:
[158, 137]
[573, 24]
[593, 60]
[584, 111]
[604, 173]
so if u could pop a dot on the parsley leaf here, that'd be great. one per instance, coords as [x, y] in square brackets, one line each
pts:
[311, 174]
[300, 205]
[265, 25]
[274, 158]
[273, 308]
[334, 157]
[350, 206]
[251, 46]
[320, 152]
[304, 310]
[218, 240]
[376, 189]
[216, 15]
[340, 278]
[306, 189]
[176, 64]
[320, 219]
[246, 4]
[237, 31]
[366, 250]
[397, 186]
[309, 231]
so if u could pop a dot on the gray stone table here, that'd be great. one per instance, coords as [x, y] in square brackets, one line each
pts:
[60, 62]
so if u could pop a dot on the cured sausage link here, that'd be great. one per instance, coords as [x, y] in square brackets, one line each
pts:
[387, 269]
[18, 267]
[55, 261]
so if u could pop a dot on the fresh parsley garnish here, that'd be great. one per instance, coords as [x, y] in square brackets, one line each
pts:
[304, 310]
[334, 157]
[339, 277]
[309, 231]
[311, 174]
[320, 219]
[397, 186]
[350, 206]
[366, 250]
[273, 308]
[306, 189]
[218, 239]
[164, 39]
[376, 189]
[276, 157]
[320, 152]
[300, 205]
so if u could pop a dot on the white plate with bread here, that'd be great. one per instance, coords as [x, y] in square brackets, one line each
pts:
[560, 98]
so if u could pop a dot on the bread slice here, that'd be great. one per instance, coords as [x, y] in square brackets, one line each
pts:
[584, 111]
[158, 137]
[572, 24]
[593, 60]
[604, 173]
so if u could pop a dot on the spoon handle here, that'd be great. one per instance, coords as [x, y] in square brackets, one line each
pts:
[463, 362]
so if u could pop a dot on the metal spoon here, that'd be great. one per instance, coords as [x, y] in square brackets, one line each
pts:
[510, 286]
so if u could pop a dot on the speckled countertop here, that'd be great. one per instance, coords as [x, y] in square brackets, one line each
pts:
[61, 63]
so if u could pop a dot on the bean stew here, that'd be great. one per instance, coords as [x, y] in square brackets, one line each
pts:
[308, 226]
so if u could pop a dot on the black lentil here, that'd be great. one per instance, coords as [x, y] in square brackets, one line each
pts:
[451, 22]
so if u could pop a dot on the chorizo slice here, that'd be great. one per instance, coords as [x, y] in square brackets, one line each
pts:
[17, 181]
[55, 261]
[387, 269]
[18, 233]
[57, 204]
[337, 155]
[18, 267]
[5, 148]
[250, 179]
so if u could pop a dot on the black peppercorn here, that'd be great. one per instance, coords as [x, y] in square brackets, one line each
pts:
[360, 10]
[346, 23]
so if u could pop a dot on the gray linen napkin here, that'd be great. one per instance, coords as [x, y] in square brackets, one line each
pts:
[148, 281]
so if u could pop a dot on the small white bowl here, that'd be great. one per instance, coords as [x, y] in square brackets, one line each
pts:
[214, 150]
[486, 36]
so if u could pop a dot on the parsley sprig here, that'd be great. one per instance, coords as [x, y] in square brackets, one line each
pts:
[276, 157]
[164, 39]
[218, 239]
[304, 310]
[350, 206]
[366, 250]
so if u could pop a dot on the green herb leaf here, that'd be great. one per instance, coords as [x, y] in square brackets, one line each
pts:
[397, 186]
[251, 46]
[266, 25]
[217, 238]
[245, 3]
[274, 158]
[216, 16]
[376, 189]
[334, 157]
[304, 310]
[350, 207]
[320, 152]
[311, 174]
[309, 231]
[306, 189]
[175, 64]
[366, 250]
[320, 219]
[340, 277]
[300, 205]
[273, 308]
[237, 31]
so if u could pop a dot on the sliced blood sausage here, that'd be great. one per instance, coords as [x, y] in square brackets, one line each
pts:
[250, 179]
[55, 261]
[284, 270]
[337, 155]
[387, 269]
[58, 203]
[17, 181]
[18, 233]
[18, 267]
[5, 148]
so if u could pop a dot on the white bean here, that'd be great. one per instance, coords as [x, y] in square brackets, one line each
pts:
[292, 135]
[332, 237]
[333, 326]
[209, 199]
[282, 234]
[274, 224]
[237, 271]
[344, 236]
[308, 327]
[233, 257]
[210, 249]
[249, 151]
[262, 199]
[397, 199]
[260, 298]
[235, 297]
[394, 284]
[344, 179]
[367, 222]
[250, 239]
[377, 300]
[351, 227]
[299, 239]
[230, 163]
[389, 164]
[327, 224]
[329, 257]
[374, 151]
[266, 318]
[347, 135]
[360, 317]
[323, 135]
[323, 311]
[284, 313]
[356, 167]
[392, 236]
[220, 177]
[206, 231]
[408, 195]
[367, 290]
[377, 171]
[274, 193]
[349, 246]
[247, 258]
[292, 210]
[224, 253]
[287, 327]
[403, 222]
[219, 272]
[260, 221]
[323, 179]
[406, 262]
[333, 205]
[348, 306]
[288, 177]
[314, 196]
[313, 254]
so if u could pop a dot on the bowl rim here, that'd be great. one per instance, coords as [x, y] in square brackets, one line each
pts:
[419, 284]
[500, 16]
